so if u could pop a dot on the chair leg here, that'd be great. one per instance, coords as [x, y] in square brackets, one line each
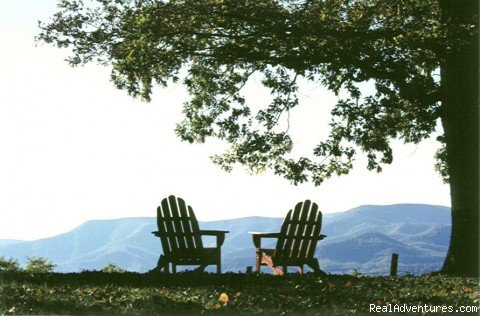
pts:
[285, 270]
[174, 268]
[258, 260]
[201, 268]
[316, 267]
[219, 261]
[300, 269]
[162, 264]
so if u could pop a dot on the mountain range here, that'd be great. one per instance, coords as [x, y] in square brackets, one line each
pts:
[362, 240]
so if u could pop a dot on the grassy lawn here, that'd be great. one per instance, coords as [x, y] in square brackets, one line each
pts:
[188, 293]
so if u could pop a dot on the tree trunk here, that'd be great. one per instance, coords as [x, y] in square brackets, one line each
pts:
[460, 119]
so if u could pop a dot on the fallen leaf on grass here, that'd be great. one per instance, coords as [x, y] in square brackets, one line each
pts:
[223, 298]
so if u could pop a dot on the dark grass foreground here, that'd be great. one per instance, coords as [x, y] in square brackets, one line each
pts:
[189, 293]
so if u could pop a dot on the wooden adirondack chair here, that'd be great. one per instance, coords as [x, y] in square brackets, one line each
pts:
[182, 239]
[296, 241]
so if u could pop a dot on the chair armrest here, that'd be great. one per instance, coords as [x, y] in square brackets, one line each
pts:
[257, 237]
[264, 234]
[161, 234]
[220, 234]
[214, 232]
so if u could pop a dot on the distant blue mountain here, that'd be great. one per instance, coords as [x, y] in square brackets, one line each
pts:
[362, 239]
[4, 242]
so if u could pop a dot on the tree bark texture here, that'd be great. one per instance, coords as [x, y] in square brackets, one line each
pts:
[460, 119]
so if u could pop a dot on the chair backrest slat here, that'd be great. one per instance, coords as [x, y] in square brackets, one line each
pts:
[301, 226]
[289, 231]
[303, 221]
[177, 219]
[186, 224]
[195, 229]
[312, 228]
[176, 222]
[162, 225]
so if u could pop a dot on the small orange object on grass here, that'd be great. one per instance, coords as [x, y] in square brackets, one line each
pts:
[223, 298]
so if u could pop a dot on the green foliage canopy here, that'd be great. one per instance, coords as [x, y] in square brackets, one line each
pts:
[9, 265]
[39, 265]
[113, 268]
[395, 46]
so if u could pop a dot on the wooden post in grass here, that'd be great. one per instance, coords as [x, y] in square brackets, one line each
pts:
[394, 265]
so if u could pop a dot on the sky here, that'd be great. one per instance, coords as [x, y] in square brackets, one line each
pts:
[74, 148]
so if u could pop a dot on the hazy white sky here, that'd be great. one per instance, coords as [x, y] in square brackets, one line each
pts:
[74, 148]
